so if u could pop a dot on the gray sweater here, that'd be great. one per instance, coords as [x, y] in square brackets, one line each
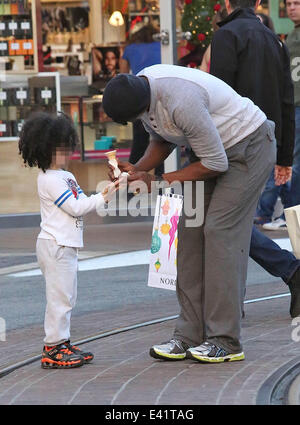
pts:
[192, 108]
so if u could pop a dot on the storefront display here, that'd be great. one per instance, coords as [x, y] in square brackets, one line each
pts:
[17, 36]
[66, 36]
[96, 130]
[22, 95]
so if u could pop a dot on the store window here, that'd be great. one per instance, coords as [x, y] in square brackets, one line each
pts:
[96, 60]
[18, 52]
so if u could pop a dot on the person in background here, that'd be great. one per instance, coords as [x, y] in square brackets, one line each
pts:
[140, 53]
[266, 206]
[266, 20]
[219, 16]
[250, 58]
[142, 50]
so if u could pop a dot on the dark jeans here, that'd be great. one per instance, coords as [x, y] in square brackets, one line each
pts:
[294, 194]
[140, 143]
[269, 197]
[278, 262]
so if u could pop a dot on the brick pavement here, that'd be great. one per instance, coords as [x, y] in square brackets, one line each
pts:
[122, 372]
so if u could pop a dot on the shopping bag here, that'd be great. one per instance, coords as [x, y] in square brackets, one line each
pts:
[292, 217]
[163, 255]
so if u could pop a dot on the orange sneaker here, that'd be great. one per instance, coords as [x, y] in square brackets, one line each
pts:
[88, 357]
[60, 356]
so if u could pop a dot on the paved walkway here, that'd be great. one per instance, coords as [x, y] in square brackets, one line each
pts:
[122, 372]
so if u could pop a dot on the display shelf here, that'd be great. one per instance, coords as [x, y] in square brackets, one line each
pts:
[20, 95]
[9, 139]
[18, 46]
[92, 123]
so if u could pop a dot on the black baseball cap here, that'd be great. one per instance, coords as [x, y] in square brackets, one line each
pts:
[125, 97]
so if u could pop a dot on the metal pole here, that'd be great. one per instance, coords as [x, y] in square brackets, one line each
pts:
[81, 128]
[169, 56]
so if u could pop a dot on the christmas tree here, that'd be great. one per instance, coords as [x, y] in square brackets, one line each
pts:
[197, 19]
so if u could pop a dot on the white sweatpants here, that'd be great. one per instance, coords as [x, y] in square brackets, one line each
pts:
[59, 266]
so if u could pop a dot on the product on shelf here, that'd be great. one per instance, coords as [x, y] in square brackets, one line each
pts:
[20, 96]
[22, 7]
[14, 7]
[17, 127]
[5, 129]
[6, 7]
[3, 97]
[16, 35]
[45, 96]
[3, 48]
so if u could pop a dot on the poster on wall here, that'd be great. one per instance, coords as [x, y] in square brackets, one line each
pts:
[105, 64]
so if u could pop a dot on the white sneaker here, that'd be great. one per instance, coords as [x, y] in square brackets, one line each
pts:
[170, 350]
[278, 224]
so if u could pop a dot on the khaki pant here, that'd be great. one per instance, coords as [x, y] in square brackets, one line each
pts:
[59, 266]
[212, 258]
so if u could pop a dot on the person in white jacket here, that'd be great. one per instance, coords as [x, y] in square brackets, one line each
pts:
[46, 141]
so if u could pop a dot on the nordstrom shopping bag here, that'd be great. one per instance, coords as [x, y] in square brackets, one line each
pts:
[292, 217]
[163, 256]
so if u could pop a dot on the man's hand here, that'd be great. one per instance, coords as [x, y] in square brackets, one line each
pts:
[123, 166]
[282, 174]
[142, 176]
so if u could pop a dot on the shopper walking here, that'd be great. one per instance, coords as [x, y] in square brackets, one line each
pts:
[233, 148]
[268, 199]
[250, 58]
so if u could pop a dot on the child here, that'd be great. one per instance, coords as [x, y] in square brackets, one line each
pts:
[46, 141]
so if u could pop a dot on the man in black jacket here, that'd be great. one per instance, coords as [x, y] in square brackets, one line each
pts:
[253, 61]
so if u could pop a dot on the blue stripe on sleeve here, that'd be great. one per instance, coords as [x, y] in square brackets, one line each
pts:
[58, 199]
[68, 196]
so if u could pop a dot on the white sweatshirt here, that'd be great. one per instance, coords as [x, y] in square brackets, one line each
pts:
[63, 204]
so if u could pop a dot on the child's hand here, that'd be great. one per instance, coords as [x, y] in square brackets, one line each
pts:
[110, 190]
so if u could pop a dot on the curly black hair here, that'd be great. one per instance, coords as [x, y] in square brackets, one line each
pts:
[41, 134]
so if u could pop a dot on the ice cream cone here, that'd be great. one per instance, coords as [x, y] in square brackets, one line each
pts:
[112, 160]
[111, 155]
